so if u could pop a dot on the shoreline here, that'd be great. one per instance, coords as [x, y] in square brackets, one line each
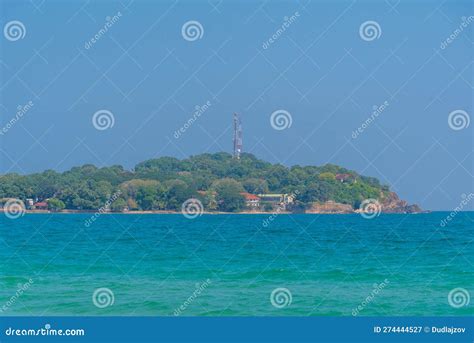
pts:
[207, 213]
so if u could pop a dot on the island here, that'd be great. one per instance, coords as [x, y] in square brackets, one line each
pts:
[218, 182]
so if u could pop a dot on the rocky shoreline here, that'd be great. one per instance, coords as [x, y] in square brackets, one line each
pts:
[390, 203]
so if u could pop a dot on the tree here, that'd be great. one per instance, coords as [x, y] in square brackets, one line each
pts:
[228, 196]
[314, 191]
[132, 204]
[327, 176]
[55, 204]
[177, 192]
[256, 186]
[165, 183]
[146, 197]
[142, 194]
[118, 205]
[45, 185]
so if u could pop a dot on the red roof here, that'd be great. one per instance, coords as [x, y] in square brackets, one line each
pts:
[249, 196]
[343, 176]
[41, 204]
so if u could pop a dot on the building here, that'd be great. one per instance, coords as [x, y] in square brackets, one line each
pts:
[251, 200]
[42, 205]
[30, 203]
[281, 200]
[345, 177]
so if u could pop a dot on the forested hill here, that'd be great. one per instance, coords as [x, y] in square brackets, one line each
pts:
[166, 182]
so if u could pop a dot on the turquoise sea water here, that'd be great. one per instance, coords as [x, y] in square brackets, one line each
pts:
[154, 264]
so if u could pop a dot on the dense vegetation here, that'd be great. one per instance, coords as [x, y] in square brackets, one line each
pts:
[165, 183]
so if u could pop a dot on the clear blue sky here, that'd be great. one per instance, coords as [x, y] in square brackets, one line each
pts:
[319, 69]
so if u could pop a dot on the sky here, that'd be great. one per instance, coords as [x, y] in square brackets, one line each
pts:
[381, 87]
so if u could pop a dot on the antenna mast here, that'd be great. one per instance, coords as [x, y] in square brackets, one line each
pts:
[237, 136]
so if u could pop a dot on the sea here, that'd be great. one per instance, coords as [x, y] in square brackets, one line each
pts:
[237, 265]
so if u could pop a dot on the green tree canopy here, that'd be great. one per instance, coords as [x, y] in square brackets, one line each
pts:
[228, 197]
[55, 204]
[166, 182]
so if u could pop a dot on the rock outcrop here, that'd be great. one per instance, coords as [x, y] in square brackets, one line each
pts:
[391, 203]
[330, 207]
